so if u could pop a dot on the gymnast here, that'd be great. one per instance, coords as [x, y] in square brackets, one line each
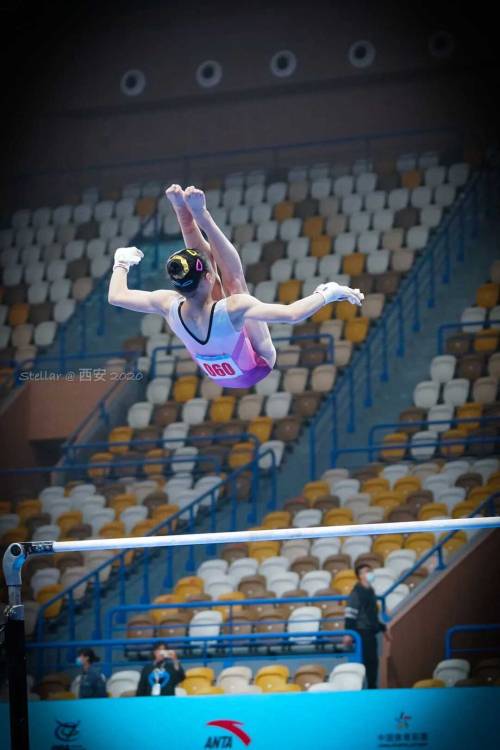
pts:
[224, 328]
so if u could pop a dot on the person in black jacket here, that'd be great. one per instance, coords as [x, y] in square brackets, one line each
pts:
[162, 676]
[92, 681]
[361, 615]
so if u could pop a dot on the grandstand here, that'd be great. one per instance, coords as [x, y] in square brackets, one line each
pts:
[387, 413]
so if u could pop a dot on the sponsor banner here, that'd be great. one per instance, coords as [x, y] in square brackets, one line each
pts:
[435, 719]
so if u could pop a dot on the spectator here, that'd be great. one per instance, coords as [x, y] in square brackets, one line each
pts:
[162, 676]
[92, 682]
[361, 615]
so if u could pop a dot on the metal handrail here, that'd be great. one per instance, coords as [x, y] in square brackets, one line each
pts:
[481, 628]
[485, 325]
[169, 524]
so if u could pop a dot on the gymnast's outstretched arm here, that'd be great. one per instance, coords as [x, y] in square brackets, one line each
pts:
[243, 307]
[135, 299]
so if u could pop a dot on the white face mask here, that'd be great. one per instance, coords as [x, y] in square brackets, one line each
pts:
[161, 654]
[370, 577]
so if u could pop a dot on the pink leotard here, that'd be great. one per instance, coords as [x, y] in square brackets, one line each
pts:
[226, 356]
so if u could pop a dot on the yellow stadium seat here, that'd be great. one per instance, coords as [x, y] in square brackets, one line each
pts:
[345, 311]
[478, 495]
[383, 545]
[353, 264]
[241, 454]
[272, 679]
[469, 411]
[386, 500]
[430, 683]
[453, 544]
[222, 408]
[411, 179]
[142, 528]
[158, 614]
[428, 511]
[493, 481]
[45, 594]
[198, 681]
[456, 450]
[262, 550]
[344, 581]
[408, 484]
[420, 542]
[324, 313]
[185, 388]
[313, 227]
[463, 509]
[284, 210]
[289, 291]
[67, 520]
[122, 434]
[261, 427]
[145, 207]
[104, 457]
[18, 314]
[487, 295]
[338, 517]
[321, 246]
[375, 485]
[356, 329]
[27, 508]
[271, 683]
[112, 529]
[279, 519]
[394, 454]
[61, 695]
[486, 341]
[235, 609]
[150, 456]
[5, 507]
[313, 490]
[121, 501]
[164, 511]
[188, 585]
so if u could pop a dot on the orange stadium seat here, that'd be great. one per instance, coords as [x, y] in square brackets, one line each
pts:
[289, 291]
[356, 329]
[222, 408]
[353, 264]
[284, 210]
[100, 458]
[313, 227]
[321, 245]
[185, 388]
[122, 434]
[18, 314]
[487, 295]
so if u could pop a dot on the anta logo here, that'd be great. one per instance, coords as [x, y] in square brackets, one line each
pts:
[226, 740]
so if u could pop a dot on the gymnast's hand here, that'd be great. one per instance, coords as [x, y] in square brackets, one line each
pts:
[127, 256]
[175, 194]
[195, 200]
[333, 292]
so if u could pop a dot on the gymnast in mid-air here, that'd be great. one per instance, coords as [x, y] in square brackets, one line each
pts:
[224, 328]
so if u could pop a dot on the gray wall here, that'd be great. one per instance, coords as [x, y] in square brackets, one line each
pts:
[72, 114]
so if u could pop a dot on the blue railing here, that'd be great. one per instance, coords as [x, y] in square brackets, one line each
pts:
[401, 317]
[487, 506]
[452, 652]
[377, 446]
[373, 448]
[186, 516]
[70, 451]
[206, 649]
[485, 325]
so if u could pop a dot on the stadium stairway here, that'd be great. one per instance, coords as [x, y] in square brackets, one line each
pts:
[390, 398]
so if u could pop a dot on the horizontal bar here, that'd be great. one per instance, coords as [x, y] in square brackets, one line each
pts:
[262, 535]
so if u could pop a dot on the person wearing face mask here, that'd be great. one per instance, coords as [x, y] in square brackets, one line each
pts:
[92, 681]
[361, 615]
[162, 676]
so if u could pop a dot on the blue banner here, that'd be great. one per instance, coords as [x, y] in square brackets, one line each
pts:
[434, 719]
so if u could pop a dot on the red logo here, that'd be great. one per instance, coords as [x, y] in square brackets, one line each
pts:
[231, 726]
